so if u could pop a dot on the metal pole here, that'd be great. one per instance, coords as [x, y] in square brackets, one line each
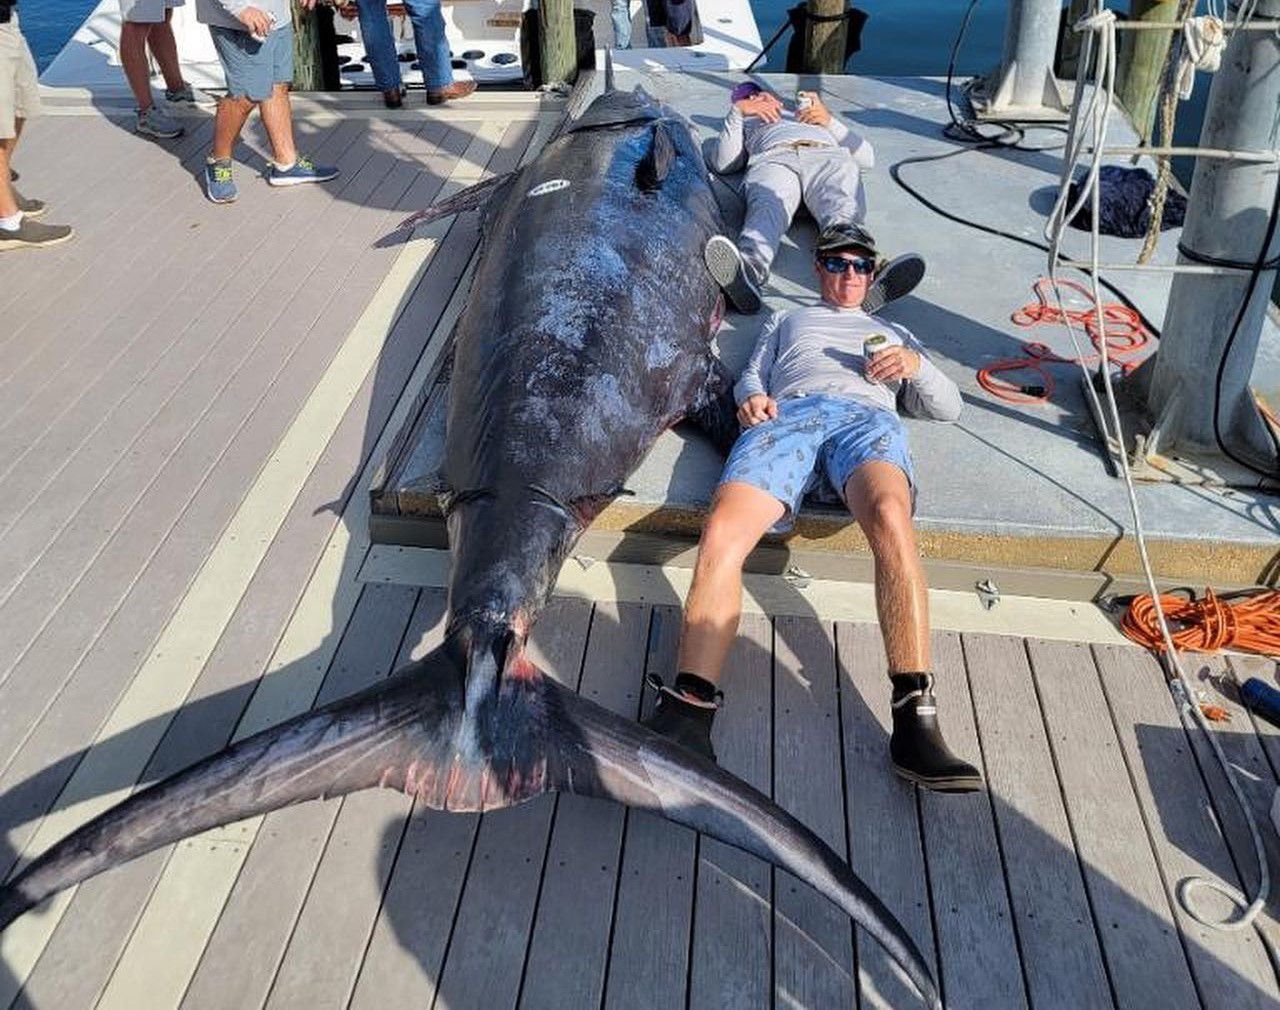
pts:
[1227, 216]
[1024, 88]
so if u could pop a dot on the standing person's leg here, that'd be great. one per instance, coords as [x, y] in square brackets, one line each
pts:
[272, 78]
[380, 48]
[19, 100]
[433, 53]
[620, 15]
[878, 495]
[772, 195]
[165, 48]
[141, 18]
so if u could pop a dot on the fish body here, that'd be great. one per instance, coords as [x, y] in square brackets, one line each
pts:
[586, 334]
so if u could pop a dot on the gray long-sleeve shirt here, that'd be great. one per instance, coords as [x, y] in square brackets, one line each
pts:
[742, 138]
[818, 349]
[223, 12]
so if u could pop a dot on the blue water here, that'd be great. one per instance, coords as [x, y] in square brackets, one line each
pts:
[900, 38]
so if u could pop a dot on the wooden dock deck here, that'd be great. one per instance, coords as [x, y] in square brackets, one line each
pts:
[192, 402]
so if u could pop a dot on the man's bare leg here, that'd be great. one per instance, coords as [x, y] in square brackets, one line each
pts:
[165, 48]
[8, 199]
[232, 114]
[277, 117]
[133, 57]
[740, 516]
[880, 499]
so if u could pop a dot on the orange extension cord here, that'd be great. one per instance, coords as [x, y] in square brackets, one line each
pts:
[1250, 624]
[1124, 333]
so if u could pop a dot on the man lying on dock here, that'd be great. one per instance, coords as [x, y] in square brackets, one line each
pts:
[815, 401]
[792, 156]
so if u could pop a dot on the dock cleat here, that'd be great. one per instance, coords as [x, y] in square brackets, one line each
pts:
[916, 748]
[301, 171]
[685, 713]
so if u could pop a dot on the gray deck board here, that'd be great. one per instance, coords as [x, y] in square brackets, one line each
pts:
[813, 940]
[885, 844]
[1059, 947]
[981, 966]
[246, 416]
[652, 923]
[732, 957]
[1145, 960]
[569, 944]
[1231, 970]
[277, 874]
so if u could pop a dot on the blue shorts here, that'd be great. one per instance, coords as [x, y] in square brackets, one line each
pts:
[254, 68]
[815, 436]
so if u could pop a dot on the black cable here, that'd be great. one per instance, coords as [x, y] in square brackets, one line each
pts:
[896, 174]
[1260, 265]
[771, 43]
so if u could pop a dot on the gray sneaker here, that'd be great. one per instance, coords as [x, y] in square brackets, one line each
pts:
[896, 278]
[155, 123]
[29, 207]
[182, 94]
[34, 235]
[727, 268]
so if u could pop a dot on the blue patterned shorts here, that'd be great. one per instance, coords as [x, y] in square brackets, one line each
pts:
[815, 436]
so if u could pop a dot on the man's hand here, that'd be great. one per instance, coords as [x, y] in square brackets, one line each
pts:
[896, 362]
[816, 114]
[761, 104]
[756, 410]
[256, 21]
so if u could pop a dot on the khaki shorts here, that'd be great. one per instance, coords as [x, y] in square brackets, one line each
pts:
[19, 93]
[147, 12]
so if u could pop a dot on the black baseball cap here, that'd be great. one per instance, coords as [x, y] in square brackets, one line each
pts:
[845, 236]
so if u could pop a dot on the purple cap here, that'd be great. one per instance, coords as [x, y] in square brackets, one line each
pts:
[744, 90]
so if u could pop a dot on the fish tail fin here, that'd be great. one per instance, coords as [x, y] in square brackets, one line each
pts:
[368, 739]
[605, 755]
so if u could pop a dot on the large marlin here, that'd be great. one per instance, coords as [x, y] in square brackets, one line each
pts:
[586, 334]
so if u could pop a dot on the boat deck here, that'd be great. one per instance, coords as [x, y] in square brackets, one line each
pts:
[193, 400]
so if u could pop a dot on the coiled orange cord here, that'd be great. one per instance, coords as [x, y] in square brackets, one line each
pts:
[1251, 624]
[1123, 331]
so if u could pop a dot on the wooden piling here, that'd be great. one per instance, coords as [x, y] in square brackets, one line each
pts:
[824, 41]
[308, 71]
[556, 45]
[1140, 63]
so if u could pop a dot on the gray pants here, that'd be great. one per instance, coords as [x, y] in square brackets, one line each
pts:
[825, 178]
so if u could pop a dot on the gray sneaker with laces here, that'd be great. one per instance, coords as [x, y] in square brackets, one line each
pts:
[155, 123]
[29, 207]
[34, 235]
[182, 94]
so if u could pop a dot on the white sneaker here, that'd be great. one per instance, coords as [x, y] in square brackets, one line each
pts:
[727, 268]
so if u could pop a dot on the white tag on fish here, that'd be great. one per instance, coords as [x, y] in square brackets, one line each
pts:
[550, 186]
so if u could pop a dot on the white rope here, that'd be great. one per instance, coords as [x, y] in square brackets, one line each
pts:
[1101, 25]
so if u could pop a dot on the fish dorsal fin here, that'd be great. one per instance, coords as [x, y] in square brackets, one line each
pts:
[657, 162]
[468, 199]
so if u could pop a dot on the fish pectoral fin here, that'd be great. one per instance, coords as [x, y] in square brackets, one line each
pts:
[715, 413]
[471, 198]
[604, 755]
[657, 161]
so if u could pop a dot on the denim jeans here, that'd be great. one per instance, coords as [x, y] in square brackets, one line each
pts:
[429, 38]
[621, 17]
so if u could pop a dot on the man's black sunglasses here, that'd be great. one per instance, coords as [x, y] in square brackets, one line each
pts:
[861, 265]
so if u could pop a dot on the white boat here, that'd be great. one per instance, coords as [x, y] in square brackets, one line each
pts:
[484, 38]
